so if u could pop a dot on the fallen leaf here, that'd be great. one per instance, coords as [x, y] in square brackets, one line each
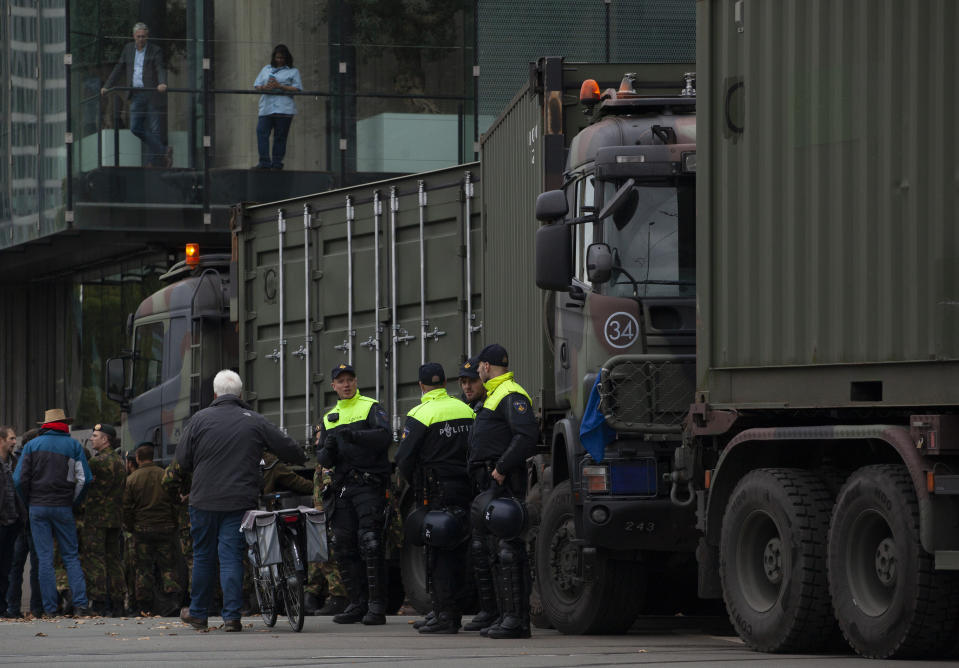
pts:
[161, 627]
[40, 635]
[112, 633]
[143, 638]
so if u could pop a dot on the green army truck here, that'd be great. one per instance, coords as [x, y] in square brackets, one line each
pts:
[433, 267]
[823, 444]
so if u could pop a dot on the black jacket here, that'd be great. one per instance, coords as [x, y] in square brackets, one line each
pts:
[365, 450]
[154, 72]
[503, 438]
[221, 446]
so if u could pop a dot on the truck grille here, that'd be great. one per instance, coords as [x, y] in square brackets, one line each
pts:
[647, 393]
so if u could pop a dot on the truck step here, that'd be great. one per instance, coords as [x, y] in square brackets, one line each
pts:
[947, 560]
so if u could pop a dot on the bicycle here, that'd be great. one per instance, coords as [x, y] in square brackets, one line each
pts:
[279, 583]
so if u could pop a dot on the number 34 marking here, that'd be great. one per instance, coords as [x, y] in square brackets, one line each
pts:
[621, 329]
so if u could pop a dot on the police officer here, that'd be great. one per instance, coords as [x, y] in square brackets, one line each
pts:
[356, 439]
[503, 437]
[324, 572]
[101, 535]
[432, 457]
[150, 514]
[473, 391]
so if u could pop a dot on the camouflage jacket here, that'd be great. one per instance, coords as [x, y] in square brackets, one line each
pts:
[147, 506]
[103, 504]
[278, 476]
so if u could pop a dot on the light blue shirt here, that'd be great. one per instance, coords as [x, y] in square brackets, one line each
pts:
[277, 103]
[138, 67]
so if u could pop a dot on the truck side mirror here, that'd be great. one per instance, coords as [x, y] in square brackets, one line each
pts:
[551, 205]
[599, 263]
[116, 379]
[554, 257]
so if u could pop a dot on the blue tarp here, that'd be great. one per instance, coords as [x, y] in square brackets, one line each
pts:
[594, 433]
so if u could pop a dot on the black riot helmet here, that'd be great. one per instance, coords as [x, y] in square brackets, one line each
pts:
[445, 528]
[505, 517]
[413, 526]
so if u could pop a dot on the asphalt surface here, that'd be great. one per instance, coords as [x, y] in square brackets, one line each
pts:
[156, 641]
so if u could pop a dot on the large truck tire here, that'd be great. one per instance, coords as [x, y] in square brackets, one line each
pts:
[413, 569]
[772, 561]
[887, 597]
[607, 604]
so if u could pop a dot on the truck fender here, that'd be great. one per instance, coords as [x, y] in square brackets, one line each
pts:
[763, 447]
[563, 448]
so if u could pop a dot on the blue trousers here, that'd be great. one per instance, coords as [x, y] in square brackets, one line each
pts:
[216, 534]
[279, 125]
[47, 522]
[22, 548]
[145, 121]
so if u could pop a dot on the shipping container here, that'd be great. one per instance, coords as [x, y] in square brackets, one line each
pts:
[829, 273]
[375, 276]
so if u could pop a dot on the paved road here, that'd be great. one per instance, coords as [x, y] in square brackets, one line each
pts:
[96, 642]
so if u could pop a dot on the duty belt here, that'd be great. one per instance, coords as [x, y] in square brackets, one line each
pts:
[364, 478]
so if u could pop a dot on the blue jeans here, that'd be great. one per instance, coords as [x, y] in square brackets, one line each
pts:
[145, 121]
[21, 549]
[217, 534]
[279, 125]
[47, 522]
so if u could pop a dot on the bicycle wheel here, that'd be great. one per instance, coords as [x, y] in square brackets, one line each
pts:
[265, 594]
[291, 586]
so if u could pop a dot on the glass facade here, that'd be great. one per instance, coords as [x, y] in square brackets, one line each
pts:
[388, 87]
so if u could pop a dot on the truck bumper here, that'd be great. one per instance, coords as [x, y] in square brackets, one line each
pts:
[639, 524]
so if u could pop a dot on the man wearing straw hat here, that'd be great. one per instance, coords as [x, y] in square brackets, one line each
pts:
[51, 476]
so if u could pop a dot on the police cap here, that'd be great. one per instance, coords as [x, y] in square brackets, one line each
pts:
[495, 354]
[432, 374]
[342, 368]
[468, 369]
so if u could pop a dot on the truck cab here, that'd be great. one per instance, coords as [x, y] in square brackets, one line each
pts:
[181, 336]
[618, 249]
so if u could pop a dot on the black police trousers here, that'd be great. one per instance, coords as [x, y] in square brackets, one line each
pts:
[357, 525]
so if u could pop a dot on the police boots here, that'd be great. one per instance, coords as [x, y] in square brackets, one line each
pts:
[376, 581]
[515, 619]
[352, 574]
[446, 622]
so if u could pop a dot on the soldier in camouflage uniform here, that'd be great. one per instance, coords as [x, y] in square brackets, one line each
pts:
[100, 536]
[150, 513]
[129, 547]
[336, 596]
[177, 483]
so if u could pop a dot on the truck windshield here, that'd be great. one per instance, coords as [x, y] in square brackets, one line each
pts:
[147, 357]
[652, 238]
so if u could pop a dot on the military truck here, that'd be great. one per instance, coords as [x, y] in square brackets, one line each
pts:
[434, 266]
[821, 451]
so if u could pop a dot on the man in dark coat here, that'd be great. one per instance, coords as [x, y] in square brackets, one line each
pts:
[141, 65]
[221, 448]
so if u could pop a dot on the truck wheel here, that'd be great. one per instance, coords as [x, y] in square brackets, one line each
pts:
[534, 504]
[608, 603]
[413, 568]
[772, 560]
[889, 600]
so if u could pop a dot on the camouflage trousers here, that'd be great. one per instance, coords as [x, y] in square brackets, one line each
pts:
[186, 544]
[327, 570]
[129, 567]
[160, 551]
[102, 560]
[324, 572]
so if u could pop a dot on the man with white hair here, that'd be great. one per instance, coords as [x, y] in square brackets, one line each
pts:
[220, 448]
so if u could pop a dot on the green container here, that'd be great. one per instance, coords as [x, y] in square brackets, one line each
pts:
[827, 260]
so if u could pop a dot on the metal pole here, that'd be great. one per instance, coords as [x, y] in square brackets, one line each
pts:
[349, 278]
[377, 213]
[423, 322]
[394, 207]
[468, 193]
[307, 336]
[281, 230]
